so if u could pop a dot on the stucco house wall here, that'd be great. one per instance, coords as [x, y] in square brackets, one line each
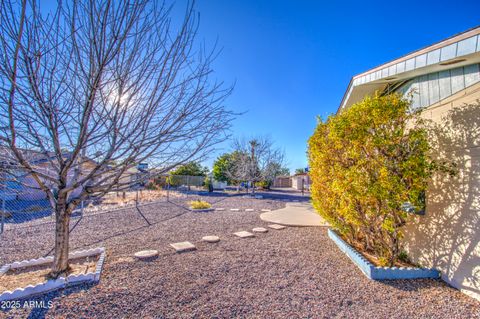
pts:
[447, 237]
[301, 180]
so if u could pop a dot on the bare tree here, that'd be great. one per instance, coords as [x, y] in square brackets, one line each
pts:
[94, 88]
[255, 160]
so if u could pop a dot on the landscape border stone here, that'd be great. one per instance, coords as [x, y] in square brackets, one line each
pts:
[380, 273]
[244, 234]
[146, 254]
[211, 239]
[53, 284]
[183, 246]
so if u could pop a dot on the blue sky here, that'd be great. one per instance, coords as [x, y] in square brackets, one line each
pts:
[292, 60]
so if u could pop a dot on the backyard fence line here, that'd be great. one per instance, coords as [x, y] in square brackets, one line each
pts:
[26, 208]
[85, 215]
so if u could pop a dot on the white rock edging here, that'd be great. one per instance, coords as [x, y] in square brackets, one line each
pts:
[381, 273]
[53, 284]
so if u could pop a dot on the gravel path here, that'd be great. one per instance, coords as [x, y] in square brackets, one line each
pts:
[291, 273]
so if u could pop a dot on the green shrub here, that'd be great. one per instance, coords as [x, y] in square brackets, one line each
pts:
[174, 180]
[365, 163]
[208, 184]
[263, 184]
[199, 204]
[403, 256]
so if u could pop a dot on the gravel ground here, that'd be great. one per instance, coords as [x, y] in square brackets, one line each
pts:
[293, 273]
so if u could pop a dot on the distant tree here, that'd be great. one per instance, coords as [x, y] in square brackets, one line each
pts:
[115, 83]
[221, 167]
[285, 171]
[256, 160]
[190, 169]
[299, 171]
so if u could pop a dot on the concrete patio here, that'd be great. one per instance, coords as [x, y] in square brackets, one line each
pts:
[295, 214]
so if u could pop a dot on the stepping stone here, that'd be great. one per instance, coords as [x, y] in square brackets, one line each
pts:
[249, 210]
[183, 246]
[266, 210]
[244, 234]
[211, 239]
[276, 226]
[146, 254]
[234, 209]
[260, 230]
[219, 209]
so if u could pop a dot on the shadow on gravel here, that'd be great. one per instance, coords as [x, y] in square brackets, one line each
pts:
[42, 304]
[415, 285]
[134, 229]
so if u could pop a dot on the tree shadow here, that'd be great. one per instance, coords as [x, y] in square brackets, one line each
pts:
[39, 306]
[447, 237]
[415, 285]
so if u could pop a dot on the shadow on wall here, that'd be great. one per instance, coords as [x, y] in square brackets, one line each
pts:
[448, 236]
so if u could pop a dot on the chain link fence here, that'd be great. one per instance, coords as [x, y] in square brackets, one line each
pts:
[22, 206]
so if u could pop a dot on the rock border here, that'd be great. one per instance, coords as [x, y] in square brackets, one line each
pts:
[380, 273]
[53, 284]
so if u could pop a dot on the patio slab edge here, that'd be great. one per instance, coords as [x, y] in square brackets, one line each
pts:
[380, 273]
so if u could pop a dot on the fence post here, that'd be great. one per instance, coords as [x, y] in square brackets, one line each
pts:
[4, 188]
[3, 211]
[168, 191]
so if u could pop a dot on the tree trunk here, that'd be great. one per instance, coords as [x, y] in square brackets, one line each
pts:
[62, 223]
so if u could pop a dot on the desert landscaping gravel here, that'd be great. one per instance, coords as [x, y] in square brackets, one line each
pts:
[294, 273]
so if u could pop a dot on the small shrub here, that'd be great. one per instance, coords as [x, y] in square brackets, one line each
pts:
[263, 184]
[199, 204]
[403, 257]
[208, 184]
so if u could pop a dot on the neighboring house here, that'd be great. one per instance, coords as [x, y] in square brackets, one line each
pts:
[17, 184]
[301, 181]
[282, 181]
[444, 76]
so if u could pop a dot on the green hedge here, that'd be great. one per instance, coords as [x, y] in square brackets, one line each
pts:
[366, 163]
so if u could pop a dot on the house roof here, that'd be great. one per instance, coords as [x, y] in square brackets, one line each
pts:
[456, 51]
